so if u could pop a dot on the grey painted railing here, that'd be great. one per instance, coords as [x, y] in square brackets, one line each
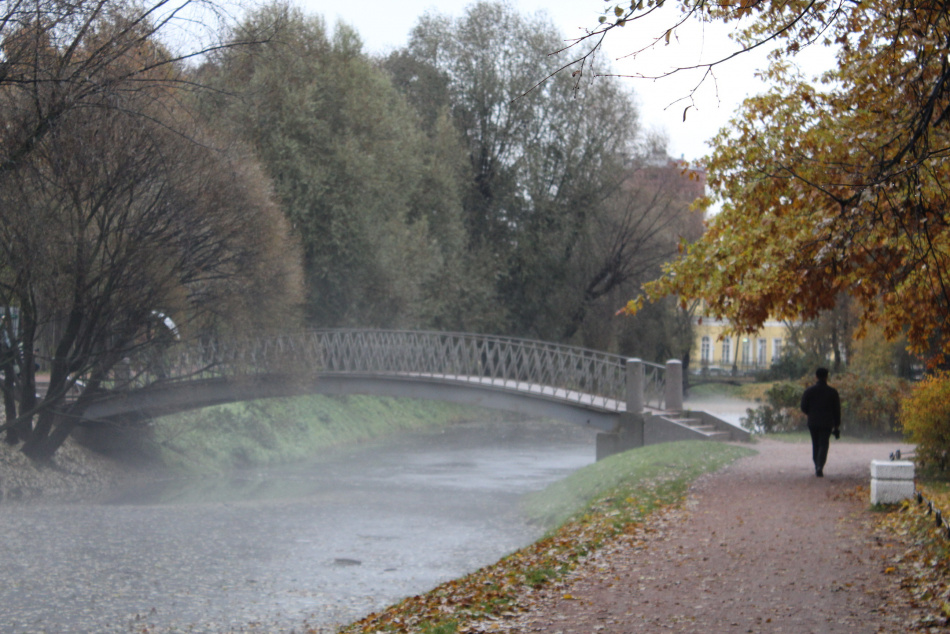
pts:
[591, 377]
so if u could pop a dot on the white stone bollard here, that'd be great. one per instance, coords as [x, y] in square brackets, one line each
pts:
[891, 481]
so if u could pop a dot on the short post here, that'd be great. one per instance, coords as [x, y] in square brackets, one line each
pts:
[891, 481]
[674, 385]
[634, 386]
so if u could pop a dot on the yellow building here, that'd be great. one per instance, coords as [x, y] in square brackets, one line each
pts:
[717, 351]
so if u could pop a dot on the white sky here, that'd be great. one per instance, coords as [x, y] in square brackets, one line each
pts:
[385, 25]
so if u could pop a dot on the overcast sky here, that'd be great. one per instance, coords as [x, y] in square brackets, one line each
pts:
[385, 25]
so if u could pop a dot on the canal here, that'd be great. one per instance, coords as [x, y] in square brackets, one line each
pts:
[317, 544]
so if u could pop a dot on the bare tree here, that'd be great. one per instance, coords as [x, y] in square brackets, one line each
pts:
[116, 211]
[646, 217]
[61, 55]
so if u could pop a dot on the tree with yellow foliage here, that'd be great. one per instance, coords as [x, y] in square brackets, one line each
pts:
[839, 187]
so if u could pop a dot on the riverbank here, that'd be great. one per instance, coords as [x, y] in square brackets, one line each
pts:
[615, 499]
[763, 546]
[222, 439]
[285, 430]
[257, 433]
[746, 549]
[75, 473]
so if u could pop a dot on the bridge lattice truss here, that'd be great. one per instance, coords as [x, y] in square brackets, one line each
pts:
[571, 373]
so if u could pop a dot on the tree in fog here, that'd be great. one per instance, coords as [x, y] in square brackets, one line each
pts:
[118, 210]
[548, 205]
[59, 56]
[375, 201]
[644, 224]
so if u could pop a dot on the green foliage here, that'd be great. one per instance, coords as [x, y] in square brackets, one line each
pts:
[272, 431]
[785, 394]
[373, 198]
[792, 365]
[925, 414]
[552, 206]
[659, 332]
[873, 354]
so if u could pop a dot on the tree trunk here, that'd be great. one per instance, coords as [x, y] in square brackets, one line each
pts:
[836, 348]
[13, 436]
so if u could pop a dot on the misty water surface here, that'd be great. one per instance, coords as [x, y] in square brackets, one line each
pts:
[267, 550]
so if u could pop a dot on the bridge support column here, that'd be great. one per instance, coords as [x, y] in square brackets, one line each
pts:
[628, 433]
[674, 386]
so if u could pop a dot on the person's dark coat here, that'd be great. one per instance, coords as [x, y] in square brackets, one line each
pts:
[822, 405]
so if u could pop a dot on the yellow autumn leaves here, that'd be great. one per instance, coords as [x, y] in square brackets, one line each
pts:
[834, 189]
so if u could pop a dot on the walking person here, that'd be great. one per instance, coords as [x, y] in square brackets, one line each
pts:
[823, 407]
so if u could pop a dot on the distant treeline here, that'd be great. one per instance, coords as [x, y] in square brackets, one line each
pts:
[450, 186]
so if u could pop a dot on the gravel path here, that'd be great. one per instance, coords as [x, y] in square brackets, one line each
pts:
[763, 546]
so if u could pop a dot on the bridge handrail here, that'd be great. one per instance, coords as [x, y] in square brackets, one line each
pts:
[589, 376]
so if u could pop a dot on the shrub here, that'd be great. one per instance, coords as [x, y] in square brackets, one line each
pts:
[869, 406]
[766, 419]
[785, 394]
[780, 413]
[789, 367]
[925, 414]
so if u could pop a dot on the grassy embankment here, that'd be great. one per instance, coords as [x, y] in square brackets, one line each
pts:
[608, 500]
[273, 431]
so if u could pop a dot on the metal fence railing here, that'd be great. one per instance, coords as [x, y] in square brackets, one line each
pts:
[567, 372]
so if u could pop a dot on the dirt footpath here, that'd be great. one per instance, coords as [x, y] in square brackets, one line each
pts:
[763, 546]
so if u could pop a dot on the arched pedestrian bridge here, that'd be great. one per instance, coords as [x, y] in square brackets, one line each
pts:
[632, 402]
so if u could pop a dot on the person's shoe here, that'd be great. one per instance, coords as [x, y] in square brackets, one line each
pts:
[819, 473]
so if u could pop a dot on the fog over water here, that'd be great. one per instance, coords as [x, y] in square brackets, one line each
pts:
[269, 549]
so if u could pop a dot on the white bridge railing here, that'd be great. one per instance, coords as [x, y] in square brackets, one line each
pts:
[595, 378]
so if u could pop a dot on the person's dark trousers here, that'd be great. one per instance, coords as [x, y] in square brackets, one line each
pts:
[820, 439]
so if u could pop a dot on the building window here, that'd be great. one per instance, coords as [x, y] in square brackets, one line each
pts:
[763, 346]
[746, 352]
[727, 350]
[776, 350]
[706, 351]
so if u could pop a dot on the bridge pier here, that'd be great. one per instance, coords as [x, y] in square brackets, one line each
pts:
[628, 434]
